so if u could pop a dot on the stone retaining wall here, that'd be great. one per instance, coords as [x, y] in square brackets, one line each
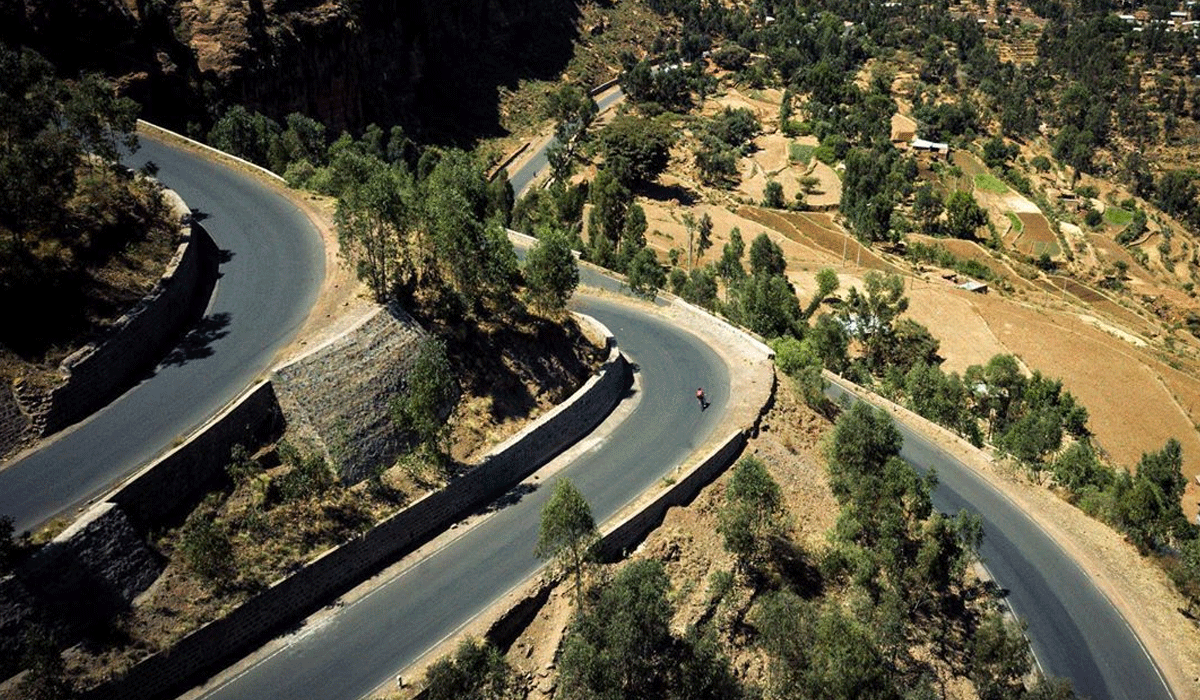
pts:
[336, 570]
[96, 373]
[172, 484]
[14, 424]
[338, 397]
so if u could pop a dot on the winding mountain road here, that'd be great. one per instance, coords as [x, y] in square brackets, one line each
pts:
[360, 646]
[267, 284]
[273, 265]
[1075, 631]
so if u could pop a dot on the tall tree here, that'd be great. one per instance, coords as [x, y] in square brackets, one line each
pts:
[430, 391]
[871, 315]
[550, 271]
[473, 253]
[374, 220]
[567, 532]
[752, 513]
[963, 215]
[827, 283]
[636, 150]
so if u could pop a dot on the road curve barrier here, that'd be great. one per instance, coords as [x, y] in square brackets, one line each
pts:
[339, 568]
[98, 372]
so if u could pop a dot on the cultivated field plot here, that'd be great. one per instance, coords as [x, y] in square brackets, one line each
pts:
[1111, 251]
[1134, 401]
[1103, 305]
[819, 231]
[970, 250]
[1036, 237]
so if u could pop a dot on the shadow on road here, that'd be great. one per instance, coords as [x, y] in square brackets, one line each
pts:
[510, 498]
[198, 342]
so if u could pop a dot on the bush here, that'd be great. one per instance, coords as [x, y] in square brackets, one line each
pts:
[731, 57]
[773, 195]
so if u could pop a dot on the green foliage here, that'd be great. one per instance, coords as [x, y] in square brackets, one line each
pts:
[832, 149]
[874, 181]
[611, 202]
[1147, 505]
[938, 254]
[62, 212]
[476, 671]
[773, 195]
[1176, 195]
[471, 251]
[871, 316]
[999, 659]
[718, 166]
[309, 477]
[704, 230]
[559, 206]
[964, 216]
[827, 283]
[751, 514]
[567, 532]
[723, 140]
[636, 149]
[735, 128]
[927, 207]
[205, 546]
[820, 652]
[550, 271]
[1185, 573]
[654, 91]
[245, 134]
[572, 110]
[375, 221]
[729, 267]
[621, 647]
[766, 257]
[997, 154]
[731, 57]
[430, 392]
[831, 342]
[698, 287]
[881, 495]
[942, 121]
[942, 398]
[801, 361]
[645, 275]
[767, 305]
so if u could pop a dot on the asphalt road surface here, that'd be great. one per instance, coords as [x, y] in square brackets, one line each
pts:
[1074, 630]
[273, 268]
[523, 176]
[360, 646]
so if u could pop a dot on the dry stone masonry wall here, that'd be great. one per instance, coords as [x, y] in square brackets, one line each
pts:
[96, 373]
[338, 398]
[224, 640]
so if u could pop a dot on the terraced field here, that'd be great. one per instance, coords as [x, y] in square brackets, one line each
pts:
[1036, 237]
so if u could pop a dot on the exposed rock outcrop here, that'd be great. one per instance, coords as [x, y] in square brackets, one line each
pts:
[429, 65]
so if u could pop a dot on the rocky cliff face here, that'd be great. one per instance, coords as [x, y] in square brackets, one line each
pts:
[431, 65]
